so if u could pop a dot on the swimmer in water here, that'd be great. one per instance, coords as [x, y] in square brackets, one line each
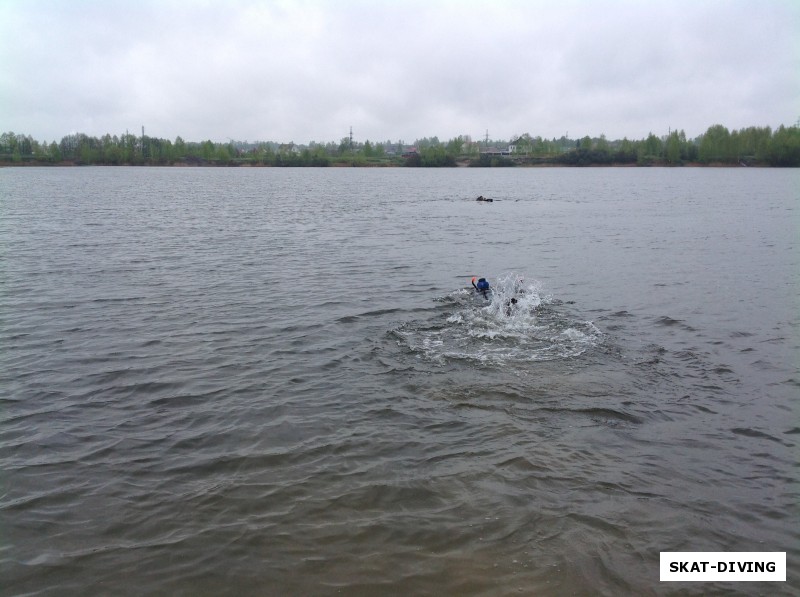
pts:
[511, 305]
[482, 286]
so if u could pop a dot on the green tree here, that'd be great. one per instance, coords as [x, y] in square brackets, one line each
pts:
[54, 152]
[112, 154]
[88, 149]
[603, 148]
[207, 150]
[715, 145]
[455, 146]
[627, 152]
[8, 143]
[435, 156]
[672, 150]
[39, 151]
[223, 154]
[319, 156]
[753, 143]
[784, 149]
[179, 148]
[131, 153]
[269, 154]
[25, 144]
[649, 150]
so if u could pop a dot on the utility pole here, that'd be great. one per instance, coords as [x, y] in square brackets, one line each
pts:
[351, 139]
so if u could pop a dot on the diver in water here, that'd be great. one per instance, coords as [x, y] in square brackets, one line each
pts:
[519, 291]
[511, 305]
[482, 286]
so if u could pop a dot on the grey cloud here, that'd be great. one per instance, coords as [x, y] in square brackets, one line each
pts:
[308, 70]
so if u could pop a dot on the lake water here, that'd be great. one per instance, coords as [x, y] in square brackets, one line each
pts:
[279, 381]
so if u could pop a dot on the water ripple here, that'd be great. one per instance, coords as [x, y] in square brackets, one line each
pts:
[238, 381]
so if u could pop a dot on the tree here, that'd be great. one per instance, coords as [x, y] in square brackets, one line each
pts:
[455, 146]
[672, 151]
[55, 152]
[427, 142]
[25, 144]
[8, 142]
[649, 150]
[603, 148]
[715, 145]
[223, 154]
[785, 147]
[179, 148]
[207, 150]
[38, 150]
[436, 156]
[753, 143]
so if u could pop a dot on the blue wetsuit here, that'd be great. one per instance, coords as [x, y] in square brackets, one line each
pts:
[482, 286]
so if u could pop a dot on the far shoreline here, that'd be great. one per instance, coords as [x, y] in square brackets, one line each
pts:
[210, 164]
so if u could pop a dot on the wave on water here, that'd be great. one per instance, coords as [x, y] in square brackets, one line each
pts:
[515, 322]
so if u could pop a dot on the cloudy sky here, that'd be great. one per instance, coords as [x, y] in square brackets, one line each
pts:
[308, 70]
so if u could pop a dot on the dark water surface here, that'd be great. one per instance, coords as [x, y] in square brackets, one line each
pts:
[275, 381]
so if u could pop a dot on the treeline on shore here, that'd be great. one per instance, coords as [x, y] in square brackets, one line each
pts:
[753, 146]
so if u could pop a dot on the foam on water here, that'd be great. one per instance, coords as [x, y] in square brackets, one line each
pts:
[516, 322]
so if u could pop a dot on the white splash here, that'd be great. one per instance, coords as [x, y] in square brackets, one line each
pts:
[516, 322]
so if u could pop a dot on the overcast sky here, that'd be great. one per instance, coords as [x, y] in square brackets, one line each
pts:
[305, 71]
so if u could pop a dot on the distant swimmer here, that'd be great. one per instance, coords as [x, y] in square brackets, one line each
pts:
[482, 286]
